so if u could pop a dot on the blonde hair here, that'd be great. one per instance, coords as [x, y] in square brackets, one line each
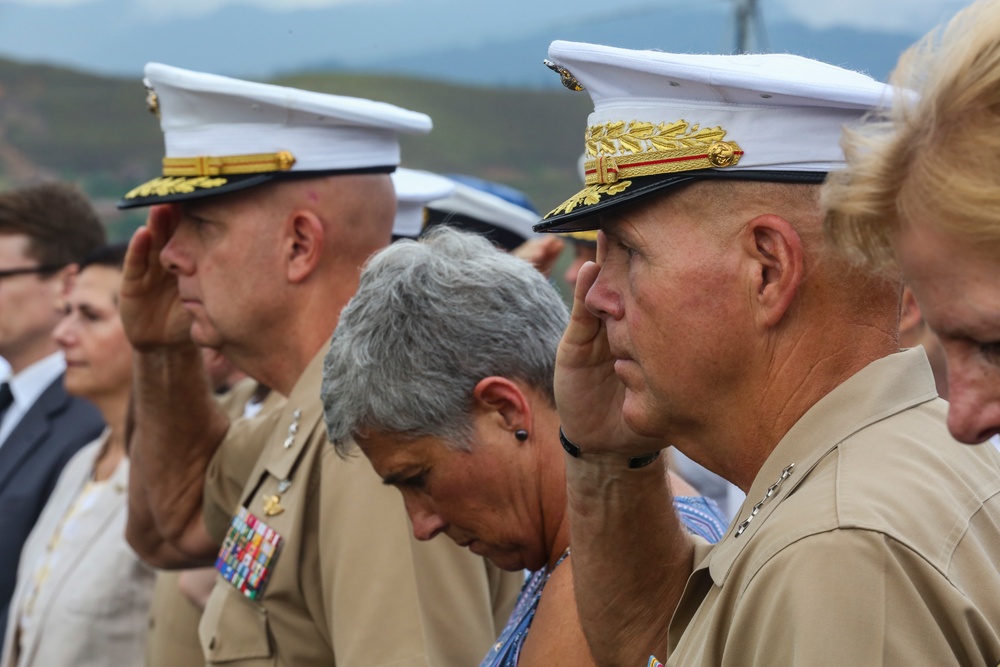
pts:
[935, 155]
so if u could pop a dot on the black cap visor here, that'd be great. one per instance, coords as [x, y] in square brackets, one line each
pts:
[580, 213]
[170, 189]
[499, 236]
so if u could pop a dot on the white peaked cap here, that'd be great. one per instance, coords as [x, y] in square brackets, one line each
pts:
[472, 205]
[414, 189]
[223, 134]
[662, 118]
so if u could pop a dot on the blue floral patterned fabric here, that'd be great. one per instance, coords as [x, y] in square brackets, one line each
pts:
[700, 515]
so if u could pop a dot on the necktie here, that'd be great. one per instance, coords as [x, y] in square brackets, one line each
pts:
[6, 399]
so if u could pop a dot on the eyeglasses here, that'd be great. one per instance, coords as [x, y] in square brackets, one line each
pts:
[44, 268]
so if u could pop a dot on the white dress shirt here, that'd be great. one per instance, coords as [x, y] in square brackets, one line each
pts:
[27, 386]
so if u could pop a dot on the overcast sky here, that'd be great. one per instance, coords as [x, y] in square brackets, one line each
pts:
[896, 15]
[259, 38]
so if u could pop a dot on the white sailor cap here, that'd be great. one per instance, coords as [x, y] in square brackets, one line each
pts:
[225, 134]
[661, 119]
[414, 189]
[502, 214]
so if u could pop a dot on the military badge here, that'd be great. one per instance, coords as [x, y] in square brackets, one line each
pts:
[248, 554]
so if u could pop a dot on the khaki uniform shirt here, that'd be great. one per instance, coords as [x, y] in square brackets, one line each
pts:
[350, 586]
[882, 546]
[172, 640]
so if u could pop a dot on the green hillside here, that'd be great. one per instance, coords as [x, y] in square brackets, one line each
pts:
[96, 130]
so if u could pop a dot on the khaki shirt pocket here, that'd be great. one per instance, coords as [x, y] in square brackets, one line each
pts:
[234, 630]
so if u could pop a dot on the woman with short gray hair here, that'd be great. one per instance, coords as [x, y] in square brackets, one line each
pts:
[441, 371]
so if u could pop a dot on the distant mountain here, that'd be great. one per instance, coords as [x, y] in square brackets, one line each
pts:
[700, 29]
[475, 43]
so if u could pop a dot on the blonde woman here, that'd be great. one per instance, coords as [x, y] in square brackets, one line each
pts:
[921, 195]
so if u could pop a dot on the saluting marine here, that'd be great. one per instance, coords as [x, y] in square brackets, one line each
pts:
[274, 198]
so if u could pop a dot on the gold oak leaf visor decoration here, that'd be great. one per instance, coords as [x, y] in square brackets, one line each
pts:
[186, 178]
[625, 160]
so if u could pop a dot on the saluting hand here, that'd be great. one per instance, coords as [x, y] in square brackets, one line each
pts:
[589, 395]
[151, 309]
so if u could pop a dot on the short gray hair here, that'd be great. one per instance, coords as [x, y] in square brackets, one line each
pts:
[430, 319]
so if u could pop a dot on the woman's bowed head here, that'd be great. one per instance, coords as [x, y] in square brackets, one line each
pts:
[441, 371]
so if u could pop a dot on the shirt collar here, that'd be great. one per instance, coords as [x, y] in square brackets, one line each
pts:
[302, 414]
[881, 389]
[29, 384]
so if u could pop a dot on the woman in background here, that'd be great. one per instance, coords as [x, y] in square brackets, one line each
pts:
[82, 594]
[441, 370]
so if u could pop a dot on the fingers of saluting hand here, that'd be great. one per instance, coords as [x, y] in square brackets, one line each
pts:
[584, 327]
[137, 257]
[151, 310]
[602, 248]
[142, 262]
[161, 223]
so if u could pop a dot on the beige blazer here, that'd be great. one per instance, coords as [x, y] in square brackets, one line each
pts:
[92, 609]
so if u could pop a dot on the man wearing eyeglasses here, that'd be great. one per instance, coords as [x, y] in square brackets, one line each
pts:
[44, 231]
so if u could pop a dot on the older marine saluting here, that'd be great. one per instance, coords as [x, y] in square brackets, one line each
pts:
[718, 320]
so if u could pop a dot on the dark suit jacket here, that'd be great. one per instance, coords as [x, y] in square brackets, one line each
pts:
[31, 458]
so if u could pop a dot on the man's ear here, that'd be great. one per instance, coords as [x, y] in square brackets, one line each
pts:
[61, 285]
[67, 278]
[777, 261]
[303, 242]
[505, 400]
[910, 317]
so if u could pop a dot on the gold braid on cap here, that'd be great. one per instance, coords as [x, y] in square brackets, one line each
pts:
[620, 151]
[258, 163]
[184, 175]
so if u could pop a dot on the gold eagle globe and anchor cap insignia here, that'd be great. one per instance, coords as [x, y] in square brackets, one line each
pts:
[565, 77]
[664, 119]
[222, 134]
[152, 101]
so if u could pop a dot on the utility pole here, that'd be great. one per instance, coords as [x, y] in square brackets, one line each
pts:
[748, 19]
